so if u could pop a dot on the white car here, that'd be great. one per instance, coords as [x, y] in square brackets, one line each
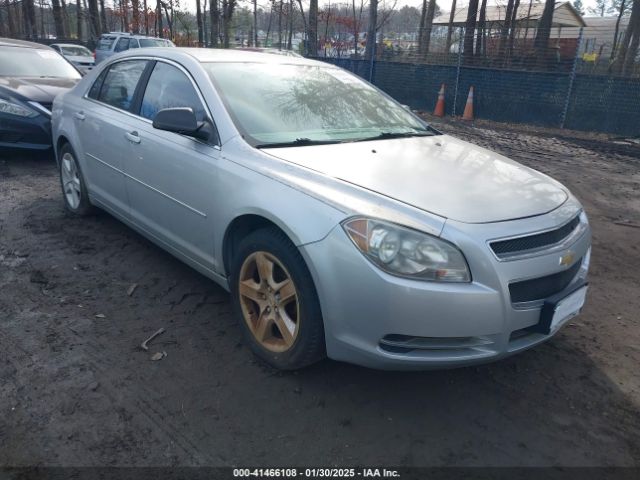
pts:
[80, 56]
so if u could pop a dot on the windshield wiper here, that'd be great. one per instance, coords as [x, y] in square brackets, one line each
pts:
[298, 142]
[388, 135]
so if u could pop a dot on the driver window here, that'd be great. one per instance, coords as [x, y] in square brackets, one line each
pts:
[122, 45]
[168, 87]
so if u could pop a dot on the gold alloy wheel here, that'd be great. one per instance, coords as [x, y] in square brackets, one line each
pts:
[269, 301]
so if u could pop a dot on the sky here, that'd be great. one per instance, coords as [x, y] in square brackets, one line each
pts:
[443, 4]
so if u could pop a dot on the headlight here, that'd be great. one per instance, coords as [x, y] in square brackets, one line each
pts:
[407, 253]
[13, 108]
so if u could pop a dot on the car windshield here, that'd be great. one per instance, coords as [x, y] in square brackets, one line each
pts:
[32, 62]
[152, 42]
[76, 51]
[280, 104]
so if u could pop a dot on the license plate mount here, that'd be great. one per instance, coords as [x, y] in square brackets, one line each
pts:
[559, 308]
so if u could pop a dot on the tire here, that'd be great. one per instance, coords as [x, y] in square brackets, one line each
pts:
[280, 317]
[74, 187]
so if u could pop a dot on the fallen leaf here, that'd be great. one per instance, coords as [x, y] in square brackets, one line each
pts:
[132, 289]
[100, 315]
[158, 356]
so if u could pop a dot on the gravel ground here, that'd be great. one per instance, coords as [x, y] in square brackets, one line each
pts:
[76, 390]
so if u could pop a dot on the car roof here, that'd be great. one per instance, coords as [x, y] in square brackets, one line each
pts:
[68, 45]
[130, 35]
[207, 55]
[11, 42]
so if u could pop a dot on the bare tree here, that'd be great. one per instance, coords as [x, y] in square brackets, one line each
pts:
[312, 37]
[228, 7]
[426, 26]
[372, 30]
[541, 42]
[94, 19]
[450, 26]
[159, 18]
[214, 13]
[199, 22]
[57, 18]
[628, 48]
[617, 29]
[482, 25]
[255, 21]
[469, 30]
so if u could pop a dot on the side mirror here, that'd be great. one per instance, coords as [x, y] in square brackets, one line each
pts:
[182, 120]
[178, 120]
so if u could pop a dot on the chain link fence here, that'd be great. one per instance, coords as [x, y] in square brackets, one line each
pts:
[567, 77]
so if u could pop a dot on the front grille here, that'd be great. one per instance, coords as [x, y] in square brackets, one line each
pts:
[505, 248]
[542, 287]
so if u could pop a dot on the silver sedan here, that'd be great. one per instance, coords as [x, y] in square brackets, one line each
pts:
[342, 224]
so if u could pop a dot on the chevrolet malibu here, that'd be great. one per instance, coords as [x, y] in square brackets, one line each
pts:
[342, 224]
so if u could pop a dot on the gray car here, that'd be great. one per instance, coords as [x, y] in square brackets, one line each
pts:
[116, 42]
[341, 223]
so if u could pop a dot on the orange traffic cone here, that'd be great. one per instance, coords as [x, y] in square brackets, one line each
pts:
[439, 111]
[468, 108]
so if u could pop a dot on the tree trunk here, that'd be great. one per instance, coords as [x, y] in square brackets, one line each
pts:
[482, 24]
[29, 19]
[228, 6]
[541, 43]
[65, 19]
[628, 48]
[135, 9]
[58, 21]
[280, 25]
[94, 19]
[512, 34]
[159, 28]
[199, 22]
[372, 30]
[255, 22]
[11, 25]
[304, 25]
[79, 19]
[469, 30]
[504, 31]
[214, 13]
[617, 29]
[290, 36]
[427, 26]
[146, 18]
[450, 27]
[103, 17]
[312, 37]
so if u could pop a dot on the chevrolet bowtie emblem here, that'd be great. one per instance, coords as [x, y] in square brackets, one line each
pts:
[567, 259]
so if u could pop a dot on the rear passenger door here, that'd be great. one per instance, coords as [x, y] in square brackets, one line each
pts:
[103, 124]
[171, 180]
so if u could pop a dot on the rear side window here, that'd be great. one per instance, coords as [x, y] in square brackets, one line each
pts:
[122, 45]
[105, 43]
[120, 83]
[94, 91]
[168, 87]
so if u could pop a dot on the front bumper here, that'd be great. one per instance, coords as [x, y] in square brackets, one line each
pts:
[25, 133]
[381, 321]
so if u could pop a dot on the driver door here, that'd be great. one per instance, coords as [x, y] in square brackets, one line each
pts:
[171, 178]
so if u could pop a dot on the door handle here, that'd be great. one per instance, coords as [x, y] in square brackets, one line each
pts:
[79, 115]
[133, 136]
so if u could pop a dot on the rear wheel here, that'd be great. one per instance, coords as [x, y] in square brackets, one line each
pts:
[74, 190]
[276, 301]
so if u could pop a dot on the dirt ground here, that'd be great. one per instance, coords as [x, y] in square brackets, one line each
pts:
[77, 391]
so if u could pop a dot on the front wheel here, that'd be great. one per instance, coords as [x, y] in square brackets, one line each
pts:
[276, 301]
[74, 188]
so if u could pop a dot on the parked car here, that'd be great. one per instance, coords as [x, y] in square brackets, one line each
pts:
[341, 223]
[31, 75]
[79, 55]
[116, 42]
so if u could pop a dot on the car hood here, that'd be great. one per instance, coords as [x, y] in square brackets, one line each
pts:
[439, 174]
[37, 89]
